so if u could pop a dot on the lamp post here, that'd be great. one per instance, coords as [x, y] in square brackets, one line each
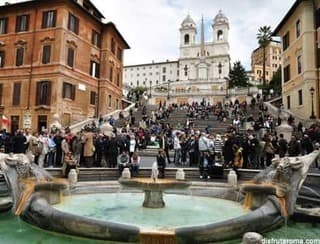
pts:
[312, 116]
[150, 82]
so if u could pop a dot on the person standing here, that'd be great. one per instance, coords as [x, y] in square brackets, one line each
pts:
[88, 148]
[177, 149]
[161, 161]
[283, 146]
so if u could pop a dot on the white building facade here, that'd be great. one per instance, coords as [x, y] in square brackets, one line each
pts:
[200, 73]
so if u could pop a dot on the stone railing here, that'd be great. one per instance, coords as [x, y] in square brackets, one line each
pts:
[78, 126]
[275, 112]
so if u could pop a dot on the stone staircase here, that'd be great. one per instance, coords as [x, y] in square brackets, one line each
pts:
[179, 117]
[5, 198]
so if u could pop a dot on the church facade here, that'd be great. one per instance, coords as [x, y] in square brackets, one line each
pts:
[200, 73]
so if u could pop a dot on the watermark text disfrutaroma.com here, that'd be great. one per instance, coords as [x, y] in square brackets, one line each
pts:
[290, 241]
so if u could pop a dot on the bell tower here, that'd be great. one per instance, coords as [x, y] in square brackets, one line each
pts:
[220, 28]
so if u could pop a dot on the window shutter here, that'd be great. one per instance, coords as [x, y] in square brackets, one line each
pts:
[64, 90]
[16, 93]
[38, 93]
[18, 19]
[44, 19]
[54, 18]
[73, 94]
[6, 25]
[48, 101]
[91, 68]
[76, 25]
[97, 74]
[27, 22]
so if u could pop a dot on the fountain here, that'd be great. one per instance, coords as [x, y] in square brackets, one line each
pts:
[37, 198]
[153, 187]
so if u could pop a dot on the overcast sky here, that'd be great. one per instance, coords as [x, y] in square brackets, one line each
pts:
[151, 27]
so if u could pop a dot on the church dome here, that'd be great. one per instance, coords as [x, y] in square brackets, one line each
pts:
[188, 22]
[220, 18]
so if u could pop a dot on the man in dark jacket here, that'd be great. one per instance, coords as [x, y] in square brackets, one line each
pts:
[294, 147]
[283, 146]
[19, 142]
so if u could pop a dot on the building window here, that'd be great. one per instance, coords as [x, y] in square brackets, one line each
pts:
[219, 35]
[186, 39]
[286, 73]
[16, 94]
[19, 56]
[113, 46]
[96, 38]
[164, 70]
[285, 41]
[298, 28]
[318, 57]
[2, 58]
[110, 101]
[93, 98]
[43, 96]
[185, 70]
[73, 23]
[117, 103]
[69, 91]
[3, 25]
[163, 78]
[317, 15]
[94, 69]
[111, 74]
[300, 97]
[22, 23]
[119, 54]
[220, 68]
[299, 64]
[49, 19]
[288, 102]
[70, 58]
[46, 54]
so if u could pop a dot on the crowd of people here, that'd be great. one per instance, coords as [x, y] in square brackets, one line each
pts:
[211, 152]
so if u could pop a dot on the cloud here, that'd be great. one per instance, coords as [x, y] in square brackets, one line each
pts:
[151, 27]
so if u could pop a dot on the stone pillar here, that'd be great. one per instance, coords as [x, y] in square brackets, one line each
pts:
[285, 129]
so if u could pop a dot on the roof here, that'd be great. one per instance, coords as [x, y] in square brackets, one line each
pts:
[113, 26]
[158, 63]
[287, 16]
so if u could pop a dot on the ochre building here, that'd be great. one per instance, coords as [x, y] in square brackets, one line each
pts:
[58, 57]
[273, 61]
[300, 34]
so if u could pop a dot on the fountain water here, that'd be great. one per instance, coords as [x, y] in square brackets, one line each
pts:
[277, 185]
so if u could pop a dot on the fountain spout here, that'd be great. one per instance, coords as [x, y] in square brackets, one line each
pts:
[154, 172]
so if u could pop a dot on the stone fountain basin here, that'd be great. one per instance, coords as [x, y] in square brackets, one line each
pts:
[266, 218]
[150, 184]
[252, 187]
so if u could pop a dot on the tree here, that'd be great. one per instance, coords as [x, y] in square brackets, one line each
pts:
[275, 82]
[238, 76]
[264, 38]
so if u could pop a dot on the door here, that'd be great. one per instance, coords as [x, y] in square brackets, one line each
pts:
[42, 123]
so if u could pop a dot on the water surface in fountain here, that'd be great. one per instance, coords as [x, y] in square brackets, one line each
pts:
[180, 210]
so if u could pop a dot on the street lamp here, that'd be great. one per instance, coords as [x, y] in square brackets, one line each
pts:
[271, 92]
[150, 88]
[312, 116]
